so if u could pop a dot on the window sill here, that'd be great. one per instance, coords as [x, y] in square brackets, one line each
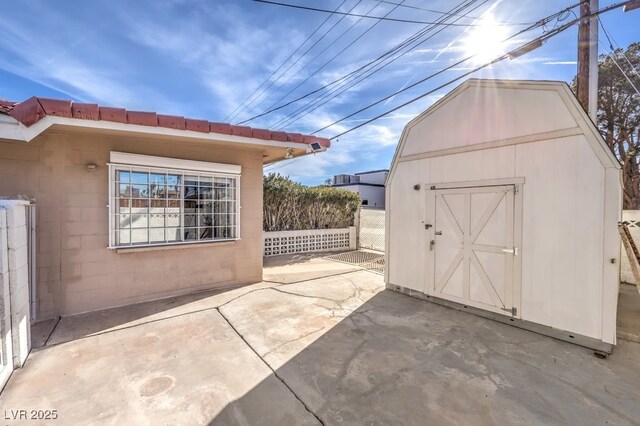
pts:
[210, 244]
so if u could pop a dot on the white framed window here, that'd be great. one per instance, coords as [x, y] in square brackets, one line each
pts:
[154, 204]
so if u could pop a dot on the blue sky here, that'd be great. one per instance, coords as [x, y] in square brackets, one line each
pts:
[201, 59]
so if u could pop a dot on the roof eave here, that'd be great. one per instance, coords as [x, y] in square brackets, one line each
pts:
[11, 129]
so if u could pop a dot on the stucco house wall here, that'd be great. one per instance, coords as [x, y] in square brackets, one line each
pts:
[76, 272]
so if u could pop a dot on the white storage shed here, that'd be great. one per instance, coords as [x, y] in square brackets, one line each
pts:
[504, 200]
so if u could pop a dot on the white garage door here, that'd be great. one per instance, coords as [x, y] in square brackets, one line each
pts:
[473, 247]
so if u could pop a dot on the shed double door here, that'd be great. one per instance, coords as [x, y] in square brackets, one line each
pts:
[473, 247]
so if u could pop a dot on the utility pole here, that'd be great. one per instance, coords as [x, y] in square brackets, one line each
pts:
[588, 59]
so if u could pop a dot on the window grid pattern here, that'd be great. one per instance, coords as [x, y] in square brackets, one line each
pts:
[156, 206]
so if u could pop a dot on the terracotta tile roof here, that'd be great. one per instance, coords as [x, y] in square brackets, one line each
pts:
[34, 109]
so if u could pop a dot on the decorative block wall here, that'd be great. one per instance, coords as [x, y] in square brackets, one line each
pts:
[307, 241]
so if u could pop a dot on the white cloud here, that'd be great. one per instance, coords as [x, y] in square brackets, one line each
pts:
[353, 151]
[62, 64]
[231, 63]
[421, 51]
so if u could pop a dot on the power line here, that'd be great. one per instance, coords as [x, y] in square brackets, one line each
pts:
[269, 96]
[540, 39]
[355, 79]
[304, 54]
[453, 14]
[333, 93]
[281, 165]
[333, 58]
[537, 24]
[233, 113]
[380, 18]
[316, 57]
[338, 80]
[623, 73]
[416, 98]
[611, 55]
[609, 38]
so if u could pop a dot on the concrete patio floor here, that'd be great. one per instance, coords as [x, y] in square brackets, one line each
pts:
[316, 342]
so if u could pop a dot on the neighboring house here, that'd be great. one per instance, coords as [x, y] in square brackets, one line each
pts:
[369, 185]
[133, 206]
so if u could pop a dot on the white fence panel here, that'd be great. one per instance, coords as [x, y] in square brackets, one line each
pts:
[371, 229]
[15, 324]
[310, 240]
[632, 220]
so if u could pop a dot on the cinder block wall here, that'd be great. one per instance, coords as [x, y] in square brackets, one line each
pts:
[76, 272]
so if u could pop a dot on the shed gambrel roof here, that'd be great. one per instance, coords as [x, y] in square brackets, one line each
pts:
[584, 124]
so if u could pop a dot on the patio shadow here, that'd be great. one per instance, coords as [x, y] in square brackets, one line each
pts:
[399, 360]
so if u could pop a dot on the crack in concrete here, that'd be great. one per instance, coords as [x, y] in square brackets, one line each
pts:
[357, 294]
[316, 278]
[275, 373]
[357, 290]
[245, 294]
[51, 333]
[47, 345]
[333, 311]
[337, 302]
[291, 341]
[278, 284]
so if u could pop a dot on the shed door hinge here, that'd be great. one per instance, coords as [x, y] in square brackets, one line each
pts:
[514, 311]
[515, 189]
[513, 251]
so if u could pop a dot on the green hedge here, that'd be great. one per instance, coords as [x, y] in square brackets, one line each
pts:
[290, 206]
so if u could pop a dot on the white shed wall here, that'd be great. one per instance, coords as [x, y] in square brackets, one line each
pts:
[570, 200]
[562, 251]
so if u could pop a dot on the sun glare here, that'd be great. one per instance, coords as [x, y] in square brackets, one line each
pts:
[486, 42]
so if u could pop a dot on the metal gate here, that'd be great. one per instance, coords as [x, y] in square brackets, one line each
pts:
[15, 291]
[371, 229]
[6, 340]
